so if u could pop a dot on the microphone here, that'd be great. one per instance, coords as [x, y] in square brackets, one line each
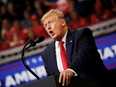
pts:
[32, 43]
[37, 40]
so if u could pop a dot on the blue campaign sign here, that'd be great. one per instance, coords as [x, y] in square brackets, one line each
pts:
[15, 74]
[107, 48]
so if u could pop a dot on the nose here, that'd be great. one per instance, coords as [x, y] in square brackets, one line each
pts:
[48, 27]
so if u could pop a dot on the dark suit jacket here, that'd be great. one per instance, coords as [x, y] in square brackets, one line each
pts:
[82, 54]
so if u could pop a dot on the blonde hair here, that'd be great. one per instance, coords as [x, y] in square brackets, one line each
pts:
[58, 13]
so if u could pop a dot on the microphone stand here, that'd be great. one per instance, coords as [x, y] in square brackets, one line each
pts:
[24, 61]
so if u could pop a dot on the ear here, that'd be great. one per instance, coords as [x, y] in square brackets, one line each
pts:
[63, 22]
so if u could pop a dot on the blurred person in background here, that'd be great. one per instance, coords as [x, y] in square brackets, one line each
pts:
[3, 12]
[0, 20]
[28, 5]
[108, 4]
[18, 7]
[11, 12]
[85, 8]
[114, 6]
[31, 34]
[49, 3]
[76, 20]
[18, 34]
[72, 5]
[6, 26]
[100, 14]
[38, 27]
[3, 44]
[38, 8]
[26, 22]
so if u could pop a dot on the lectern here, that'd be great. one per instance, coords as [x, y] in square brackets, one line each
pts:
[52, 81]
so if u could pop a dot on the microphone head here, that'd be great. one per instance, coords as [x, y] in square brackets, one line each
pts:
[39, 39]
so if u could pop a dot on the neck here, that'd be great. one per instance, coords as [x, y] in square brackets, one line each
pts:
[63, 34]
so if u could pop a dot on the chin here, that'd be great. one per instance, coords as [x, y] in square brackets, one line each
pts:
[55, 38]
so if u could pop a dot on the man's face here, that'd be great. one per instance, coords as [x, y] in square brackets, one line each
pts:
[54, 27]
[16, 24]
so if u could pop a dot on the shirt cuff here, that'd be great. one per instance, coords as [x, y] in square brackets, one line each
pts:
[75, 74]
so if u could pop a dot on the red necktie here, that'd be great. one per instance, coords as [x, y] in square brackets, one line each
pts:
[63, 55]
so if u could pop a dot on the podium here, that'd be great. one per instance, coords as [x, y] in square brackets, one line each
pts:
[52, 81]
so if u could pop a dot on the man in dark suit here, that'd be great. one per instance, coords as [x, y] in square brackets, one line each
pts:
[81, 51]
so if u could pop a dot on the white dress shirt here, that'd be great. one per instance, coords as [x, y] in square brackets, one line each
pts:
[58, 55]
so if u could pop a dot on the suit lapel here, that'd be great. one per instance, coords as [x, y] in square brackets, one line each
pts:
[53, 58]
[69, 43]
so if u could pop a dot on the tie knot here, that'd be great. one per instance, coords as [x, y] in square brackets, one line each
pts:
[61, 42]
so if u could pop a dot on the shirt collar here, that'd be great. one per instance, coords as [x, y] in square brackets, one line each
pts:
[64, 38]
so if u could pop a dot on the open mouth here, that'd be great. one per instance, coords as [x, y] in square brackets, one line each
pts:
[51, 32]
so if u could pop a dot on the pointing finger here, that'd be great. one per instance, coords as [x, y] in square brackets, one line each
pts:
[64, 79]
[60, 78]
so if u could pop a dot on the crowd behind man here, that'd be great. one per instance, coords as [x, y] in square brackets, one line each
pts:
[20, 19]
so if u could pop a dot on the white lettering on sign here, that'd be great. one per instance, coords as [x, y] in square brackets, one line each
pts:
[24, 76]
[63, 7]
[31, 76]
[114, 48]
[42, 70]
[10, 81]
[0, 84]
[107, 52]
[21, 77]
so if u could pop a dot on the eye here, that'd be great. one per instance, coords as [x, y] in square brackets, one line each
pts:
[45, 25]
[51, 21]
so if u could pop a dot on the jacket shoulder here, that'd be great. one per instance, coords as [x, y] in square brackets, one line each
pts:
[81, 31]
[49, 47]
